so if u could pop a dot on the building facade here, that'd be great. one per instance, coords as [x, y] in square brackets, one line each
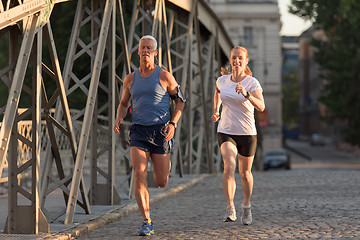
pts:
[311, 109]
[255, 24]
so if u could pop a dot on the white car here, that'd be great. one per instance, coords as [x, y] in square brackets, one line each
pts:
[317, 140]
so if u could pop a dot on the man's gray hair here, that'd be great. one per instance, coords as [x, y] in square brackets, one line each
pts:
[150, 37]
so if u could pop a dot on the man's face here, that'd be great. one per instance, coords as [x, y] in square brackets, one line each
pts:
[147, 49]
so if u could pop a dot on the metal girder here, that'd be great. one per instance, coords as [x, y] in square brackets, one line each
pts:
[205, 127]
[210, 21]
[16, 86]
[12, 15]
[182, 38]
[54, 129]
[25, 218]
[104, 193]
[108, 14]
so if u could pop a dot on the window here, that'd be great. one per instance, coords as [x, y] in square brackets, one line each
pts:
[251, 65]
[248, 36]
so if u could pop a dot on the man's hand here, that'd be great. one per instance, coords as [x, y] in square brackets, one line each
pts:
[118, 122]
[170, 132]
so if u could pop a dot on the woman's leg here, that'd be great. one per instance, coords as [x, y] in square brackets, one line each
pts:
[245, 165]
[229, 152]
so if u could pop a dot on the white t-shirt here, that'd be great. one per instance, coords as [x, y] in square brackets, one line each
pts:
[237, 115]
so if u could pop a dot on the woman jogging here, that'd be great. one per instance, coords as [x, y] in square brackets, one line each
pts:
[239, 94]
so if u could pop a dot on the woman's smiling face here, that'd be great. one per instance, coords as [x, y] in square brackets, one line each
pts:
[238, 60]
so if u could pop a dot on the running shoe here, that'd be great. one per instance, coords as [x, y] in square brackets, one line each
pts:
[147, 228]
[230, 214]
[246, 216]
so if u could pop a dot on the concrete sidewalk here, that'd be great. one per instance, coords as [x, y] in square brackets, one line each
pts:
[100, 215]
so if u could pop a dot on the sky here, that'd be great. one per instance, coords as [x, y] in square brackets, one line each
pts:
[291, 24]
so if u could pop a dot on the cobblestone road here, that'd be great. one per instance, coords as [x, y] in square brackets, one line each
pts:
[295, 204]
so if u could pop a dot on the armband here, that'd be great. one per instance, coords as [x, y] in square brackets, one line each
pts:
[178, 95]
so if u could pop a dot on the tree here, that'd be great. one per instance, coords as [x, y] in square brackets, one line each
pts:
[338, 58]
[290, 99]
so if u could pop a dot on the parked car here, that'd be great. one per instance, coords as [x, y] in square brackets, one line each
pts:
[278, 158]
[317, 140]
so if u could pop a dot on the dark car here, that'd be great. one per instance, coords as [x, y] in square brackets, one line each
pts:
[278, 158]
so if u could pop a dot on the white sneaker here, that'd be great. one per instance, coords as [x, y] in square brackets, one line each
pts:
[246, 216]
[230, 214]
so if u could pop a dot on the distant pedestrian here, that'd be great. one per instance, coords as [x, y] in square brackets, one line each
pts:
[238, 93]
[150, 88]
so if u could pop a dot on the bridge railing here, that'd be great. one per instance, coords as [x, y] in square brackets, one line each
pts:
[24, 151]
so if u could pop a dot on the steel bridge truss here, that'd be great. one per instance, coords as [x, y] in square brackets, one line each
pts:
[192, 46]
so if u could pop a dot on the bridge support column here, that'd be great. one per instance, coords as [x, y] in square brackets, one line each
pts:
[24, 213]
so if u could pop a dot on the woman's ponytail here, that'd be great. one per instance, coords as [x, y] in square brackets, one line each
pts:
[225, 70]
[248, 71]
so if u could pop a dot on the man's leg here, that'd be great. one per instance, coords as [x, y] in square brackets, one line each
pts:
[161, 165]
[139, 160]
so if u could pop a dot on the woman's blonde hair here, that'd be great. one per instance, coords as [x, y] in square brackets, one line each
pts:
[227, 69]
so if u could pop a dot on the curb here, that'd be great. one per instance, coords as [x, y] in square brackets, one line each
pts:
[297, 152]
[87, 226]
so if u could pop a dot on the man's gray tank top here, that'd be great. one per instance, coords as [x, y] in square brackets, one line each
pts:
[150, 101]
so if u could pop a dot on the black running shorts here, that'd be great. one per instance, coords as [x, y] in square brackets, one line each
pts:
[245, 144]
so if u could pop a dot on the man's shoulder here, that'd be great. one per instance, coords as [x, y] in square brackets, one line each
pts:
[165, 75]
[129, 78]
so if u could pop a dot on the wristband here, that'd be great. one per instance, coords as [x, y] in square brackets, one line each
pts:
[172, 123]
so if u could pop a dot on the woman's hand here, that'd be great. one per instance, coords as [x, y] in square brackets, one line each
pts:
[240, 89]
[215, 117]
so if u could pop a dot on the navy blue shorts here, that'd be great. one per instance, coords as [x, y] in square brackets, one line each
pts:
[150, 138]
[245, 144]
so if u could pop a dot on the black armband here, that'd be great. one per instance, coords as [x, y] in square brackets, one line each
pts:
[178, 95]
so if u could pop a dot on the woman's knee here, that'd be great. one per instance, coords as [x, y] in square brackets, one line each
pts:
[246, 175]
[229, 168]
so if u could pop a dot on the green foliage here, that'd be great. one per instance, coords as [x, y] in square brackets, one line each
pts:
[290, 99]
[338, 58]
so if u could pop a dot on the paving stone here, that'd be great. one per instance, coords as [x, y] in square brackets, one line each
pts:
[295, 204]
